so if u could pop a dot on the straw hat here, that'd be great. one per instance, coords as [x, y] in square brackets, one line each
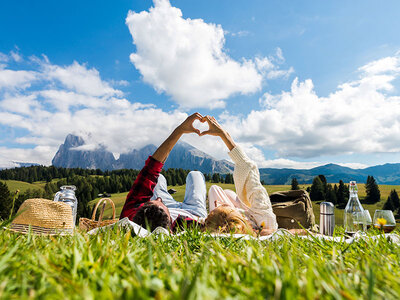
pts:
[43, 217]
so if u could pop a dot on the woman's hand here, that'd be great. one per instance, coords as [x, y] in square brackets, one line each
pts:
[214, 127]
[216, 130]
[187, 125]
[266, 231]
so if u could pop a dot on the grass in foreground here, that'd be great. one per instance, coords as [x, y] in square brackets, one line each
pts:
[194, 266]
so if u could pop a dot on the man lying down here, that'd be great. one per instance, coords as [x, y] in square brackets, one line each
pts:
[149, 204]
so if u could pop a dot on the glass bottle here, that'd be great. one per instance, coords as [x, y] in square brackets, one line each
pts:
[354, 212]
[67, 195]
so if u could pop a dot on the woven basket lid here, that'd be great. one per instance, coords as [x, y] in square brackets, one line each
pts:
[43, 216]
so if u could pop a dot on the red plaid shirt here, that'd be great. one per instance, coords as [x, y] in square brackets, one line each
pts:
[142, 190]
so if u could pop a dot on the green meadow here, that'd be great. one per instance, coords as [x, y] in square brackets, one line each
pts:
[22, 186]
[116, 265]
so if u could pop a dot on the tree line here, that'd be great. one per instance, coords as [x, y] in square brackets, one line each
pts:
[90, 184]
[320, 190]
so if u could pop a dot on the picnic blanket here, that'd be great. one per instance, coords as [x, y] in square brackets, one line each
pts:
[358, 236]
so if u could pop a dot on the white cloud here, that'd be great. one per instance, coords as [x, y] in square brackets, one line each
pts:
[80, 79]
[361, 116]
[16, 56]
[75, 99]
[3, 57]
[16, 79]
[185, 58]
[240, 33]
[20, 104]
[384, 65]
[119, 82]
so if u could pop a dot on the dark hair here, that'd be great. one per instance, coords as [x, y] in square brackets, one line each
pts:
[152, 215]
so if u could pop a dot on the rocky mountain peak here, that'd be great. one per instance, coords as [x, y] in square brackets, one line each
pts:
[183, 155]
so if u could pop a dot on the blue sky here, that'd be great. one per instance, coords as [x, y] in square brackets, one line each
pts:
[298, 84]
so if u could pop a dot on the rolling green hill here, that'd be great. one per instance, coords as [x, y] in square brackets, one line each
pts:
[22, 186]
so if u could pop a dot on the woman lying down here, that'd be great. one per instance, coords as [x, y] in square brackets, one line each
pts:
[250, 210]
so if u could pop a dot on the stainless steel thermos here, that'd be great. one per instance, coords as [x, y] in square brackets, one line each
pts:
[327, 218]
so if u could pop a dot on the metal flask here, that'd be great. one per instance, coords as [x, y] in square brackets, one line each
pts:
[327, 218]
[67, 195]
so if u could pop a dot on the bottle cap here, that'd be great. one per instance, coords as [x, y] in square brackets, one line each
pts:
[327, 208]
[353, 186]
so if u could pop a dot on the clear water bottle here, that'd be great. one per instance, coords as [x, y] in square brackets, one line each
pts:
[353, 213]
[67, 195]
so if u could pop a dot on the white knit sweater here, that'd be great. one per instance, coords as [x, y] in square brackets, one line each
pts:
[252, 195]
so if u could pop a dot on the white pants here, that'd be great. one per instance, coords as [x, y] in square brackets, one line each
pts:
[195, 196]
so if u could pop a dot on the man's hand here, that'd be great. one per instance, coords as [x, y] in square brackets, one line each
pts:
[187, 125]
[161, 154]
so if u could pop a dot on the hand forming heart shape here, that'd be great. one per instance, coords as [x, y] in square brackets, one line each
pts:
[201, 126]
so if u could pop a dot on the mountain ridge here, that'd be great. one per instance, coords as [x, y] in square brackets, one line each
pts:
[73, 154]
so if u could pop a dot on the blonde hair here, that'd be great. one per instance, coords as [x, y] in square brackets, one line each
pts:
[226, 219]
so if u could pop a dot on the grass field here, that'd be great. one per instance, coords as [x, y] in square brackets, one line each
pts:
[119, 199]
[14, 185]
[114, 265]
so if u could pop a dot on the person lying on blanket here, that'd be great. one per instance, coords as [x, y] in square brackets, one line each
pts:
[249, 210]
[149, 204]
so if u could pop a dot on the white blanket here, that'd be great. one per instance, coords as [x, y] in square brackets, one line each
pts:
[141, 232]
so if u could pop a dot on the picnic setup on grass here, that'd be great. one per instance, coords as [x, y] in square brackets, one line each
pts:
[292, 208]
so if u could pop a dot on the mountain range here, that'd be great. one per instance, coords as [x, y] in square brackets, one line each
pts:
[72, 155]
[384, 174]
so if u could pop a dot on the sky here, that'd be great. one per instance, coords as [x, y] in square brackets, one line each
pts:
[297, 84]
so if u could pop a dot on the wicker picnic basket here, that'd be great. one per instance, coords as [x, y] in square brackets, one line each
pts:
[86, 224]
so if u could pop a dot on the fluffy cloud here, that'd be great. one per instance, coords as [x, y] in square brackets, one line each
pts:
[78, 78]
[361, 116]
[14, 79]
[186, 59]
[54, 101]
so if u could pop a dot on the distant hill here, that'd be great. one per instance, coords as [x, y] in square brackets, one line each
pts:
[384, 174]
[72, 155]
[17, 164]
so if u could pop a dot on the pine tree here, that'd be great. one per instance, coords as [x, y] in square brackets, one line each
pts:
[229, 178]
[215, 178]
[388, 204]
[317, 190]
[372, 190]
[324, 182]
[394, 198]
[295, 184]
[330, 194]
[5, 201]
[342, 195]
